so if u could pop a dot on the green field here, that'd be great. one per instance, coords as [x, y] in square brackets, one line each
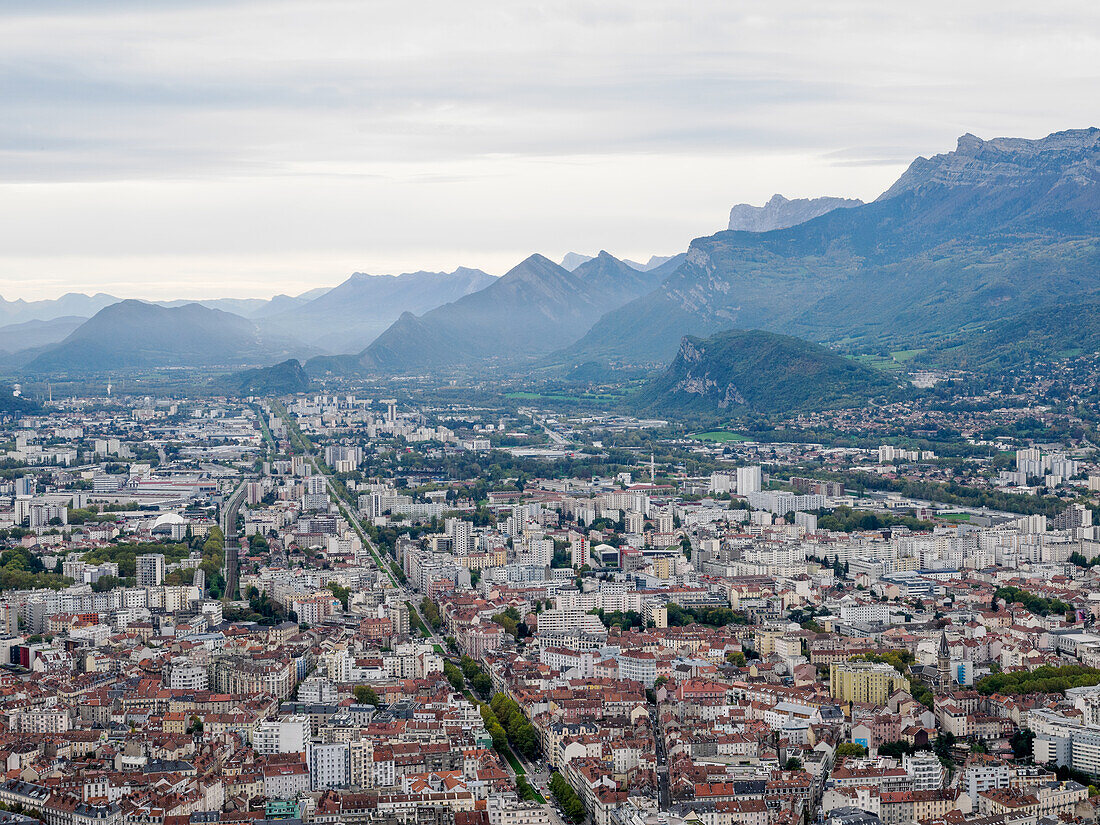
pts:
[878, 362]
[954, 517]
[894, 363]
[719, 436]
[547, 396]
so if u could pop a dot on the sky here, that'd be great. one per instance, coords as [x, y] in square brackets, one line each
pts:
[212, 149]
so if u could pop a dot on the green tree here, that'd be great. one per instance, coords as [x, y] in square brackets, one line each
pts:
[365, 695]
[106, 583]
[454, 675]
[1022, 742]
[340, 592]
[482, 684]
[851, 749]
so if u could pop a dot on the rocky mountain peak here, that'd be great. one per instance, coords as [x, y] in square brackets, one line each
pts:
[780, 212]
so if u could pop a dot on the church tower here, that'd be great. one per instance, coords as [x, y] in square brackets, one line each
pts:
[943, 664]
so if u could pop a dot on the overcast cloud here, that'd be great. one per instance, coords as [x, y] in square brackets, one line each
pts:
[198, 149]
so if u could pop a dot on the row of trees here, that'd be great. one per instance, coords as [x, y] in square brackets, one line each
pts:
[125, 555]
[430, 611]
[1044, 679]
[846, 520]
[526, 792]
[521, 733]
[897, 749]
[478, 678]
[567, 798]
[1081, 561]
[261, 609]
[496, 730]
[343, 594]
[213, 560]
[454, 675]
[105, 583]
[83, 515]
[415, 623]
[851, 749]
[952, 493]
[366, 695]
[941, 746]
[839, 570]
[625, 619]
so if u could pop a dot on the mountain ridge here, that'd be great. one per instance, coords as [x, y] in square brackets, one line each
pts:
[524, 314]
[757, 371]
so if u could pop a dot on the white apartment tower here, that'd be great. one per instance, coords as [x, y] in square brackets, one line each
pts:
[748, 480]
[150, 570]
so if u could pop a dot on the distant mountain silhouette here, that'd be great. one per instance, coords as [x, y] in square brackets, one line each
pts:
[80, 305]
[350, 316]
[28, 334]
[574, 259]
[71, 304]
[653, 262]
[136, 335]
[780, 213]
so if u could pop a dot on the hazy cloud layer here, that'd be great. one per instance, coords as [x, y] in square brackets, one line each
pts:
[202, 148]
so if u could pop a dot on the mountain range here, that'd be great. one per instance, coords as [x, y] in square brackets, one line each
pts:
[344, 318]
[981, 258]
[79, 305]
[532, 310]
[994, 230]
[26, 327]
[34, 334]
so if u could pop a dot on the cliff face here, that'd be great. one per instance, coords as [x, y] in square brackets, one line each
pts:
[1072, 157]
